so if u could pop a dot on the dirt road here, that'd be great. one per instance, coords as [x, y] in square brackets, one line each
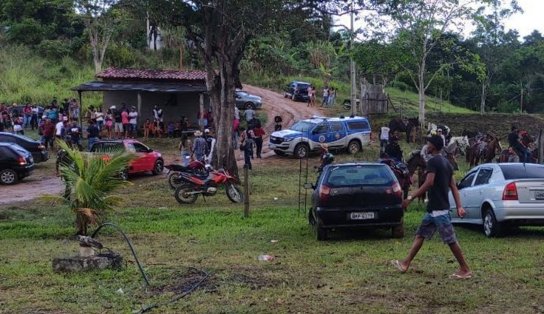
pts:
[43, 181]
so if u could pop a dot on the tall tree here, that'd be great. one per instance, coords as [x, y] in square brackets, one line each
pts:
[421, 26]
[100, 18]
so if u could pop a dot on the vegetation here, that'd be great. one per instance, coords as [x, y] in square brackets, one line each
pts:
[350, 273]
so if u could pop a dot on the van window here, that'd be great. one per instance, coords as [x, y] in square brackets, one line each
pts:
[358, 125]
[321, 129]
[336, 126]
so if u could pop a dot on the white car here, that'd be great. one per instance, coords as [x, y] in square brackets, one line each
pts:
[499, 196]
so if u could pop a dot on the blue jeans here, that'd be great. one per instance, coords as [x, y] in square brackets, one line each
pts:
[91, 141]
[26, 121]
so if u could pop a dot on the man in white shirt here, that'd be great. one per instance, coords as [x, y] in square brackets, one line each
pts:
[59, 129]
[384, 137]
[133, 122]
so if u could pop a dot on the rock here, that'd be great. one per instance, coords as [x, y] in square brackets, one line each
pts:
[79, 263]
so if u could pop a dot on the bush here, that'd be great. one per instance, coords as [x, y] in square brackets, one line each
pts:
[54, 49]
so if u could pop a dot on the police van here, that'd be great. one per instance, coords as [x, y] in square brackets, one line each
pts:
[305, 136]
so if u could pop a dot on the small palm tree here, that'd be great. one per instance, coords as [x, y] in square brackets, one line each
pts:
[90, 180]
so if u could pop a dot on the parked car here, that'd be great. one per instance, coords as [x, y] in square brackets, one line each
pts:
[147, 160]
[38, 151]
[307, 135]
[499, 196]
[16, 163]
[245, 100]
[356, 195]
[297, 91]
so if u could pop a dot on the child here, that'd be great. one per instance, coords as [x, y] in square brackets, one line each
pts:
[148, 128]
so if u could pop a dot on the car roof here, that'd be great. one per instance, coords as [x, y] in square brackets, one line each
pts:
[359, 164]
[13, 145]
[300, 82]
[316, 119]
[26, 138]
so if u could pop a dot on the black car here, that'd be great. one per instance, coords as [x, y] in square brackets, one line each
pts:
[38, 151]
[15, 163]
[356, 195]
[297, 90]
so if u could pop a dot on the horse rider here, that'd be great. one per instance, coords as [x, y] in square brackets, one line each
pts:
[393, 149]
[514, 142]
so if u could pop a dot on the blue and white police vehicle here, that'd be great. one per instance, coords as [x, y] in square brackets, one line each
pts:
[305, 136]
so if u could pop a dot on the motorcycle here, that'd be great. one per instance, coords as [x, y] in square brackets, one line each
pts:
[195, 184]
[175, 171]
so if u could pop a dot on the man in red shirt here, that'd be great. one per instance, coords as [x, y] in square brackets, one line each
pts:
[48, 133]
[259, 133]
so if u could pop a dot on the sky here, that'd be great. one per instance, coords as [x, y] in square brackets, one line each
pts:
[525, 22]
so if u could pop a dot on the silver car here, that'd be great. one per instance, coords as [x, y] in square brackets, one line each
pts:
[245, 100]
[499, 196]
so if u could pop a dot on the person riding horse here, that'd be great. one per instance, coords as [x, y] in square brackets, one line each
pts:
[393, 150]
[517, 146]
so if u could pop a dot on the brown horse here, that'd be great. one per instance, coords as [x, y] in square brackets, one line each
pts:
[484, 150]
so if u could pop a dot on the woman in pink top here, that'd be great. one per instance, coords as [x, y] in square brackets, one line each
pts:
[125, 121]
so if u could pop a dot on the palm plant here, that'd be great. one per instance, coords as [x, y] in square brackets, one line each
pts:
[90, 180]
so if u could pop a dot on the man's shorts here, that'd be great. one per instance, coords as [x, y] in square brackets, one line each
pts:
[429, 225]
[118, 127]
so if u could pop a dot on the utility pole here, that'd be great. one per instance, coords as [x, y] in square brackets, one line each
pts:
[352, 66]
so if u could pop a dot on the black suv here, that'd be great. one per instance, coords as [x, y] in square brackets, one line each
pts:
[37, 149]
[356, 195]
[15, 163]
[297, 90]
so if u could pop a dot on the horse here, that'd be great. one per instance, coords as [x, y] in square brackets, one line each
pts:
[409, 126]
[461, 142]
[485, 150]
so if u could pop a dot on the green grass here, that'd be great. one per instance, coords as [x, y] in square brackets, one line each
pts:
[350, 273]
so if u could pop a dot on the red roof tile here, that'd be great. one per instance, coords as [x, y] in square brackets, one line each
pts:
[112, 73]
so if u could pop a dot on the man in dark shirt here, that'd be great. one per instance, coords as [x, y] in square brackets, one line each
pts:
[439, 179]
[93, 133]
[513, 141]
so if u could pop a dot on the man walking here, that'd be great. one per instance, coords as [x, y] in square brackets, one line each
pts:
[439, 178]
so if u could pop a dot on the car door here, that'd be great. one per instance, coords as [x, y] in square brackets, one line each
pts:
[144, 160]
[480, 191]
[336, 137]
[466, 191]
[320, 132]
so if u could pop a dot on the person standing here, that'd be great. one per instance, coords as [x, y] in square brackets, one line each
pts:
[249, 114]
[325, 101]
[93, 133]
[210, 141]
[125, 121]
[34, 120]
[438, 182]
[133, 120]
[384, 138]
[199, 147]
[332, 96]
[48, 133]
[514, 142]
[99, 118]
[59, 130]
[246, 145]
[185, 150]
[75, 135]
[27, 115]
[259, 133]
[118, 120]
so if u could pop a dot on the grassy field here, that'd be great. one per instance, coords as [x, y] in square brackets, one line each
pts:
[349, 273]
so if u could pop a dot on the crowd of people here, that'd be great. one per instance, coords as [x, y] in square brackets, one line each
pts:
[328, 99]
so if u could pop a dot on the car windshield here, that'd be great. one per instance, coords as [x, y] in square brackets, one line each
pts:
[350, 175]
[522, 171]
[303, 86]
[302, 126]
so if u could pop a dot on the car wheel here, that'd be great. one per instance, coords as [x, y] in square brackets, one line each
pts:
[248, 105]
[124, 175]
[8, 176]
[302, 150]
[158, 167]
[354, 147]
[398, 231]
[492, 228]
[321, 234]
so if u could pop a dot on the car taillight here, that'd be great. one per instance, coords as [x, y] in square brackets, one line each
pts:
[22, 160]
[395, 190]
[510, 192]
[324, 192]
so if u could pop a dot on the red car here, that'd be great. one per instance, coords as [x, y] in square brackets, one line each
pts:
[146, 160]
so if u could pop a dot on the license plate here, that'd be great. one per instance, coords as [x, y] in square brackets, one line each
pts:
[362, 216]
[539, 195]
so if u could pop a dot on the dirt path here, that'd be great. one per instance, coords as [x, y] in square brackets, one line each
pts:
[275, 104]
[43, 181]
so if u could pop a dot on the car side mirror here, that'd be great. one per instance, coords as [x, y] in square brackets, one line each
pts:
[309, 186]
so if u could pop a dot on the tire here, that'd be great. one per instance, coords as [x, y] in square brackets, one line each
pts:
[124, 175]
[492, 228]
[174, 180]
[354, 147]
[279, 152]
[8, 176]
[248, 105]
[158, 167]
[346, 104]
[301, 150]
[397, 232]
[182, 197]
[233, 193]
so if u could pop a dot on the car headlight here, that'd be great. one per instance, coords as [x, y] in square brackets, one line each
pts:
[288, 139]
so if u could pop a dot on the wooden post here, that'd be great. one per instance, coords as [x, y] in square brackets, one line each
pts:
[246, 192]
[201, 115]
[540, 147]
[139, 106]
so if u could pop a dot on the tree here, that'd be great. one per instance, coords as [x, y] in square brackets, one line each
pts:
[100, 18]
[89, 183]
[420, 26]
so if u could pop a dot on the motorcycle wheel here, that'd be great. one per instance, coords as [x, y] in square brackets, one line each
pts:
[174, 180]
[182, 194]
[234, 194]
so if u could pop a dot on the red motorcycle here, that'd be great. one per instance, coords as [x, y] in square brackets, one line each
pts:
[175, 171]
[207, 185]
